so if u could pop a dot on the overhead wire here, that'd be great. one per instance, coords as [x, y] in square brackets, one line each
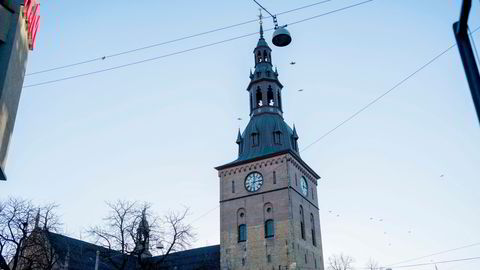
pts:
[171, 41]
[187, 50]
[434, 254]
[437, 262]
[348, 119]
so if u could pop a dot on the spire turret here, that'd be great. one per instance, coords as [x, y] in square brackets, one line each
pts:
[264, 87]
[142, 243]
[37, 219]
[267, 132]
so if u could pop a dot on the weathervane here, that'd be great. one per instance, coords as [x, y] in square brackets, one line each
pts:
[260, 16]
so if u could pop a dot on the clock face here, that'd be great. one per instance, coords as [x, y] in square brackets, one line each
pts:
[253, 181]
[304, 186]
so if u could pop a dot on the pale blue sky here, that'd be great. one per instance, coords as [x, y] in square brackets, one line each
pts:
[155, 131]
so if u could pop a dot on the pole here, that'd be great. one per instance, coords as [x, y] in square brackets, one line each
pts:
[466, 54]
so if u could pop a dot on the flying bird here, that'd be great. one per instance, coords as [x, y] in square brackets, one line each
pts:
[300, 90]
[292, 63]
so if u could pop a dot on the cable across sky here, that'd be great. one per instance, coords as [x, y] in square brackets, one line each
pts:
[188, 50]
[170, 41]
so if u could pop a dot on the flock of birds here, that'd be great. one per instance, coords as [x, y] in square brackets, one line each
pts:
[372, 219]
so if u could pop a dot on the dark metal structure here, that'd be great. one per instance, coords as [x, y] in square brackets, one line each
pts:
[460, 29]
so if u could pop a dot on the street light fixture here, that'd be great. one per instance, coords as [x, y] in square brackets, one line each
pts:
[281, 36]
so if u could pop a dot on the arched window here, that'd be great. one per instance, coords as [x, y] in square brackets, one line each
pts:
[274, 177]
[259, 97]
[314, 238]
[269, 228]
[270, 96]
[259, 56]
[242, 233]
[302, 223]
[242, 228]
[265, 56]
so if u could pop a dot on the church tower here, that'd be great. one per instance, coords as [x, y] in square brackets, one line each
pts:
[269, 215]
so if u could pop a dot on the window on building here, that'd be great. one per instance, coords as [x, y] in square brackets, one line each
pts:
[269, 258]
[274, 177]
[233, 186]
[315, 260]
[259, 97]
[296, 180]
[279, 99]
[242, 233]
[270, 96]
[251, 102]
[269, 228]
[277, 137]
[314, 238]
[302, 223]
[306, 261]
[255, 141]
[243, 261]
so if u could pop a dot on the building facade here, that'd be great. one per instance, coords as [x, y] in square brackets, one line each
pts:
[19, 22]
[269, 213]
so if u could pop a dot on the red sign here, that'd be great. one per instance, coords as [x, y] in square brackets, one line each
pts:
[32, 15]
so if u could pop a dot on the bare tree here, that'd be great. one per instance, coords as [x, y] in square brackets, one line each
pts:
[177, 235]
[23, 243]
[373, 265]
[127, 236]
[340, 262]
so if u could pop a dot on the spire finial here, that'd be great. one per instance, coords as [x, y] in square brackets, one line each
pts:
[37, 219]
[260, 17]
